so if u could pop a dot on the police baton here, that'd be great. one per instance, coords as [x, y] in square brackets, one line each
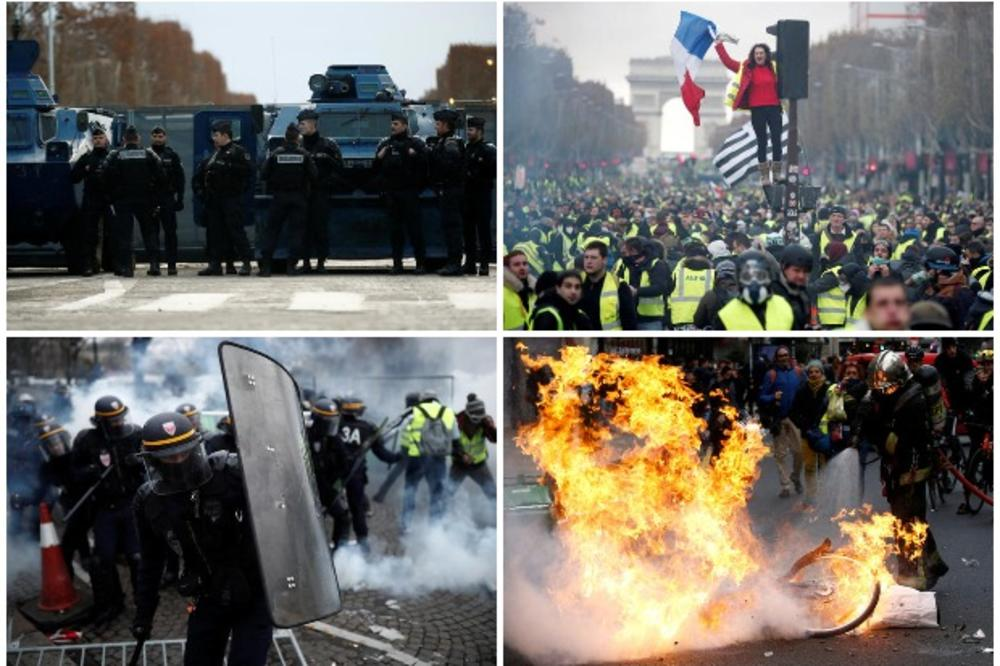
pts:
[86, 495]
[134, 661]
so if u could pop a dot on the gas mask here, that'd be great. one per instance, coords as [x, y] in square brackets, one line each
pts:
[755, 282]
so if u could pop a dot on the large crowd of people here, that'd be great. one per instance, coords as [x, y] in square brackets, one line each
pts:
[639, 252]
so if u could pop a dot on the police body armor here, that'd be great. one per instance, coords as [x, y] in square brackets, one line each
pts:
[93, 454]
[287, 170]
[480, 166]
[133, 172]
[328, 158]
[173, 168]
[399, 169]
[447, 161]
[227, 171]
[90, 169]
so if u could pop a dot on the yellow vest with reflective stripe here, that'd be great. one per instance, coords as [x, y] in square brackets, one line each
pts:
[610, 317]
[689, 286]
[411, 435]
[902, 247]
[867, 220]
[982, 275]
[515, 316]
[648, 306]
[533, 254]
[824, 240]
[474, 446]
[555, 313]
[986, 323]
[737, 316]
[831, 305]
[855, 316]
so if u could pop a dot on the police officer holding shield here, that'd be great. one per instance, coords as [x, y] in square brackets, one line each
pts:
[200, 499]
[480, 176]
[289, 174]
[329, 162]
[228, 174]
[447, 174]
[170, 200]
[134, 177]
[400, 166]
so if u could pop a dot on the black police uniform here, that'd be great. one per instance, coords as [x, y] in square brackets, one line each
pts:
[402, 173]
[114, 525]
[198, 192]
[134, 176]
[93, 210]
[480, 176]
[58, 472]
[330, 164]
[169, 202]
[289, 173]
[228, 174]
[350, 503]
[447, 173]
[221, 565]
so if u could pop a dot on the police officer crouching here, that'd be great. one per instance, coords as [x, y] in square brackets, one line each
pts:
[480, 176]
[201, 499]
[289, 174]
[228, 174]
[329, 163]
[401, 167]
[171, 199]
[135, 179]
[447, 173]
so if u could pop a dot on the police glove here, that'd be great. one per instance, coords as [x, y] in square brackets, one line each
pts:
[179, 205]
[140, 631]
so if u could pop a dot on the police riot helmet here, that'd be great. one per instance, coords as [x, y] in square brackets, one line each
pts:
[941, 259]
[54, 440]
[754, 277]
[174, 453]
[191, 412]
[110, 416]
[325, 417]
[351, 405]
[797, 256]
[225, 424]
[887, 373]
[26, 406]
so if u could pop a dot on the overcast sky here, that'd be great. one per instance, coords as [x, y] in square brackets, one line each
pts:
[270, 49]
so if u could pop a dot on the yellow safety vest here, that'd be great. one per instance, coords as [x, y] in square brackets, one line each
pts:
[648, 306]
[610, 317]
[855, 316]
[411, 435]
[982, 275]
[515, 316]
[689, 286]
[867, 220]
[737, 316]
[831, 305]
[555, 313]
[824, 240]
[902, 247]
[986, 323]
[533, 254]
[474, 446]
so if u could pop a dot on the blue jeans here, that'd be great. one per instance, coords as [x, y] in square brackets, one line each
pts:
[650, 326]
[431, 469]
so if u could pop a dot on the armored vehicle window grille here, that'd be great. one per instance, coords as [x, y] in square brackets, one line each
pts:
[18, 130]
[47, 126]
[355, 125]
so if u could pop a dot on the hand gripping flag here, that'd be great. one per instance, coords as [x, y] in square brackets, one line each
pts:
[691, 41]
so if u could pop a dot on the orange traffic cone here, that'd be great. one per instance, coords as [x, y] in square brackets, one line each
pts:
[58, 593]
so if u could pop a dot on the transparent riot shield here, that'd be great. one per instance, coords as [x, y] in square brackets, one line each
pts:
[297, 567]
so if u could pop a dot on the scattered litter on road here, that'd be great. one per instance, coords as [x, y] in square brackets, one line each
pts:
[974, 638]
[386, 633]
[970, 562]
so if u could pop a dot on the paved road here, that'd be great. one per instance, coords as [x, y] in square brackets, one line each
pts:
[964, 596]
[356, 295]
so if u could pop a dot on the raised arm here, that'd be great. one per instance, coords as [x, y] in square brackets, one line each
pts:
[732, 65]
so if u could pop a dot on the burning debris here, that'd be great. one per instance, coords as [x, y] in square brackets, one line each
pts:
[656, 546]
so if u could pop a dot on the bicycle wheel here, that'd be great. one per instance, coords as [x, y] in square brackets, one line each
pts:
[957, 458]
[839, 592]
[979, 471]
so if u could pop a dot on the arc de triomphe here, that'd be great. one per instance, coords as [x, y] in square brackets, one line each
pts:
[653, 82]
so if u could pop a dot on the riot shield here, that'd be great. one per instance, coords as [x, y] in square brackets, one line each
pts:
[296, 564]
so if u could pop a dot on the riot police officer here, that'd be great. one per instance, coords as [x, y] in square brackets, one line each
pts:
[323, 430]
[170, 200]
[192, 413]
[447, 174]
[330, 163]
[896, 418]
[200, 498]
[400, 166]
[228, 174]
[354, 437]
[135, 177]
[57, 471]
[289, 174]
[94, 209]
[106, 457]
[480, 176]
[223, 438]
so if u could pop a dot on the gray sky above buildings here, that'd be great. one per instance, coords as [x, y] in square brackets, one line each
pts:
[270, 49]
[601, 37]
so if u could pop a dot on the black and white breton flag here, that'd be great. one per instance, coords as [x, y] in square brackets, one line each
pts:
[738, 155]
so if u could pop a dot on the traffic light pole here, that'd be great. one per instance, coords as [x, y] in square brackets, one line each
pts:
[791, 202]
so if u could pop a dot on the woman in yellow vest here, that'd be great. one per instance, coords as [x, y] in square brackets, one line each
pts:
[756, 89]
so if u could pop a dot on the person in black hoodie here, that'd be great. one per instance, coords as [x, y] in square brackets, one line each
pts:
[648, 279]
[796, 265]
[556, 308]
[724, 289]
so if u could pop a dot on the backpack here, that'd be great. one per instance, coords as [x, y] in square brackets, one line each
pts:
[435, 440]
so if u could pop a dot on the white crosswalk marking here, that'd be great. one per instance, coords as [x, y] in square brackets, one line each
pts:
[472, 300]
[112, 289]
[189, 302]
[327, 301]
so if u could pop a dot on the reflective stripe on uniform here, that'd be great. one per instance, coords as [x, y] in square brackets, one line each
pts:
[689, 288]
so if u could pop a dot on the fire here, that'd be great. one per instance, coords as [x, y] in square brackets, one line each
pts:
[656, 537]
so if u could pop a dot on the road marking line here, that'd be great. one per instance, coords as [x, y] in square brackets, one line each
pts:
[327, 301]
[112, 289]
[188, 302]
[473, 300]
[43, 284]
[383, 647]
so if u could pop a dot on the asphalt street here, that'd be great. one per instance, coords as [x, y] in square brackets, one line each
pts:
[350, 296]
[964, 595]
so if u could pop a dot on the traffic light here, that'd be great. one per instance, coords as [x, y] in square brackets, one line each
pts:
[872, 166]
[793, 58]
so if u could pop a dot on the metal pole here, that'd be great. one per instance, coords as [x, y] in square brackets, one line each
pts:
[52, 48]
[791, 203]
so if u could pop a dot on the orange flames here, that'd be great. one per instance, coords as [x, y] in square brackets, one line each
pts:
[656, 538]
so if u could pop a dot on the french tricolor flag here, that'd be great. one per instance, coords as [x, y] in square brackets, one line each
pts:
[692, 40]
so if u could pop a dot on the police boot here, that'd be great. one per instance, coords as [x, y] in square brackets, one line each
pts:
[264, 268]
[420, 269]
[154, 269]
[230, 268]
[306, 267]
[451, 270]
[211, 269]
[765, 173]
[245, 269]
[470, 267]
[397, 267]
[321, 265]
[171, 269]
[484, 268]
[776, 172]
